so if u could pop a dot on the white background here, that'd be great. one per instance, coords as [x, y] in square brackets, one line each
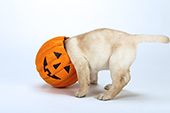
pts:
[26, 24]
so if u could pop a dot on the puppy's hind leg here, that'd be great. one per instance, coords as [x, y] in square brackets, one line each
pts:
[119, 64]
[118, 82]
[127, 78]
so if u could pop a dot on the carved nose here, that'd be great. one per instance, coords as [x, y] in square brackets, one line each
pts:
[56, 65]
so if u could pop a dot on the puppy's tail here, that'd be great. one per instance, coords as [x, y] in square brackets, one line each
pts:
[150, 38]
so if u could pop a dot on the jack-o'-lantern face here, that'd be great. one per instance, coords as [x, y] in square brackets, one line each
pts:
[67, 68]
[54, 64]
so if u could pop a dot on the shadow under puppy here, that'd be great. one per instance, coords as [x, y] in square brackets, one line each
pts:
[105, 49]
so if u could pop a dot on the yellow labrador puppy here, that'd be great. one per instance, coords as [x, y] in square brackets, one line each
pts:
[105, 49]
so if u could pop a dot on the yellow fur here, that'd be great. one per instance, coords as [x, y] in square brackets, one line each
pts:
[105, 49]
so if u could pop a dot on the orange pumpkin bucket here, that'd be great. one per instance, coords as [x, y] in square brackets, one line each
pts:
[54, 65]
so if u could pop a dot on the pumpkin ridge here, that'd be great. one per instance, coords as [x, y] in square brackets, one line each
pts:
[57, 41]
[44, 52]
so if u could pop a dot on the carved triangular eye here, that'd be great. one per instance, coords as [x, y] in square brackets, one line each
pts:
[45, 62]
[56, 65]
[57, 54]
[67, 68]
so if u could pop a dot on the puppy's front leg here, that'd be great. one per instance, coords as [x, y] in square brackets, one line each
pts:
[83, 75]
[93, 78]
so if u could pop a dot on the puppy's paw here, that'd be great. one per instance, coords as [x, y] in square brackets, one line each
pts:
[79, 94]
[104, 97]
[108, 86]
[93, 82]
